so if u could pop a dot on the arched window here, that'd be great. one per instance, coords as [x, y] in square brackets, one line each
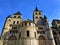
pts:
[25, 24]
[19, 17]
[22, 24]
[17, 22]
[36, 17]
[27, 33]
[41, 40]
[39, 13]
[36, 13]
[35, 34]
[13, 22]
[14, 16]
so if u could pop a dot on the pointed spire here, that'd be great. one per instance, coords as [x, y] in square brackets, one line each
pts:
[45, 17]
[36, 9]
[17, 13]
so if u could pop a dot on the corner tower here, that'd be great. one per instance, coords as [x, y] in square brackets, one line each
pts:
[37, 15]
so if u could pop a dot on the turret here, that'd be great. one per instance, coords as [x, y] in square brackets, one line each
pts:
[37, 15]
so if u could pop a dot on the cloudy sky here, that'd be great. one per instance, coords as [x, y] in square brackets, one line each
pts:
[50, 8]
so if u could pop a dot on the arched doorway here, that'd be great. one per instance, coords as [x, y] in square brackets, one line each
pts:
[12, 40]
[41, 40]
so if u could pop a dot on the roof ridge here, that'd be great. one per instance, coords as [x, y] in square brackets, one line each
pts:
[17, 13]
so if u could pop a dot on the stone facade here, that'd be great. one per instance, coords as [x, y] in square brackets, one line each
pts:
[56, 30]
[17, 31]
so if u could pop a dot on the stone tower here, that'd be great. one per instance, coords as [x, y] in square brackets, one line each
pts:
[10, 29]
[44, 32]
[37, 15]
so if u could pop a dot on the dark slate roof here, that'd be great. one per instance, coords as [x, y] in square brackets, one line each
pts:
[9, 16]
[56, 20]
[45, 17]
[36, 9]
[17, 13]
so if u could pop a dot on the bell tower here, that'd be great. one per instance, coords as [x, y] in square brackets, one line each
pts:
[37, 15]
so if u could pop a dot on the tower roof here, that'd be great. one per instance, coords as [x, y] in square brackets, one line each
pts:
[45, 17]
[17, 13]
[9, 16]
[36, 9]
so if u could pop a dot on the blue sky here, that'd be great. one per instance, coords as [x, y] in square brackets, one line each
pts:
[50, 8]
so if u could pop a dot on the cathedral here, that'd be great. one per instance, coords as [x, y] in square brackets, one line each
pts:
[17, 31]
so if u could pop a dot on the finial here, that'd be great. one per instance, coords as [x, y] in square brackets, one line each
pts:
[36, 9]
[45, 17]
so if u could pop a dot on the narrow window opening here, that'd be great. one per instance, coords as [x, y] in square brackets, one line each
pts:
[25, 24]
[39, 13]
[27, 33]
[36, 13]
[29, 24]
[17, 22]
[13, 22]
[36, 17]
[35, 34]
[22, 24]
[40, 17]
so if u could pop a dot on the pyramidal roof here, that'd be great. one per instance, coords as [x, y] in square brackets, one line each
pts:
[36, 9]
[17, 13]
[45, 17]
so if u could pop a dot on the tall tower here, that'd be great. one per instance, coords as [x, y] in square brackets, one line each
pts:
[11, 28]
[48, 32]
[37, 15]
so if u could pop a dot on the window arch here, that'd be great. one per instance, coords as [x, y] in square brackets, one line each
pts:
[41, 40]
[14, 16]
[17, 22]
[39, 13]
[36, 13]
[19, 17]
[13, 22]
